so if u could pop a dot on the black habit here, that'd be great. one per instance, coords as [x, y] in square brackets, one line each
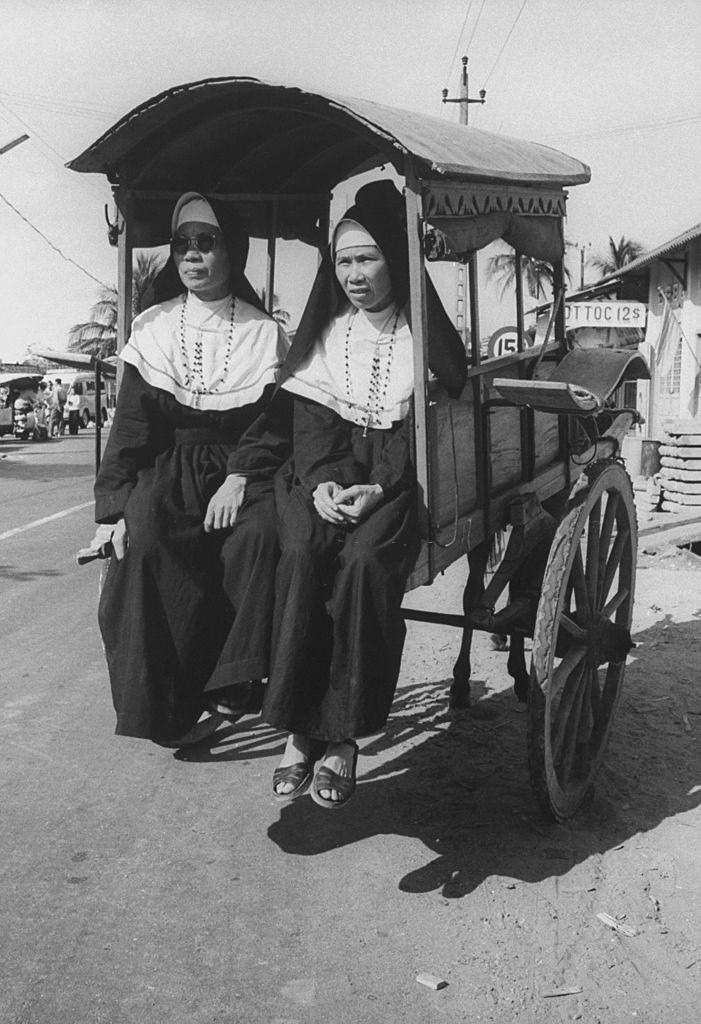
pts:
[180, 614]
[338, 631]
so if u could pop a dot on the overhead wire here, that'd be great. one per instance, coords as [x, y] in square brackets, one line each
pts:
[51, 245]
[474, 27]
[640, 126]
[503, 45]
[53, 103]
[457, 45]
[34, 134]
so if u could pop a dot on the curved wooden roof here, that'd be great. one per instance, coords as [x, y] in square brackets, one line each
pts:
[225, 135]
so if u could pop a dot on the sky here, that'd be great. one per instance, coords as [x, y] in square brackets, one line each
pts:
[615, 83]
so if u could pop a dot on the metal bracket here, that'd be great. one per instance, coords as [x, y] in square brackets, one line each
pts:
[669, 264]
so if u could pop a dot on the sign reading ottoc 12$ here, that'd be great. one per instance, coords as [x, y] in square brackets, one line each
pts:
[605, 314]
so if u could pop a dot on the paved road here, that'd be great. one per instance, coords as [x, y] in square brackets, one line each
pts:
[139, 885]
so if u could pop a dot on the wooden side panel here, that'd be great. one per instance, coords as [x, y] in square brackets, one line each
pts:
[456, 520]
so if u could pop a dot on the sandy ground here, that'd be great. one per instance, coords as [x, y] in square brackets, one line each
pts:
[529, 892]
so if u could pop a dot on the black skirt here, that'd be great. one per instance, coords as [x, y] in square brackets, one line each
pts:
[184, 612]
[338, 631]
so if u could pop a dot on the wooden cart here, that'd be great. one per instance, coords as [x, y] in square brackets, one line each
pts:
[530, 451]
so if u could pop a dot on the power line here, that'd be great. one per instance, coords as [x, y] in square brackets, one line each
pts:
[33, 131]
[503, 47]
[51, 244]
[474, 27]
[82, 105]
[59, 105]
[37, 135]
[457, 45]
[640, 126]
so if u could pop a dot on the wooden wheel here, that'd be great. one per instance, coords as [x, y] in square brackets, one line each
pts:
[581, 638]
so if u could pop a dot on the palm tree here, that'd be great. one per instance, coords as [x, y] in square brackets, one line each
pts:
[536, 273]
[281, 315]
[617, 255]
[98, 335]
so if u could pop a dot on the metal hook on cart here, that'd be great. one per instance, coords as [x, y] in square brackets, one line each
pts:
[114, 229]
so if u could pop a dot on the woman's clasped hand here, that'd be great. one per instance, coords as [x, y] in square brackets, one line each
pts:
[352, 504]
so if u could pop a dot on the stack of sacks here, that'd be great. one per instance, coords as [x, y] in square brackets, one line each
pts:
[680, 476]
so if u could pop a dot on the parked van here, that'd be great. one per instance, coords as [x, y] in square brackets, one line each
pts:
[79, 410]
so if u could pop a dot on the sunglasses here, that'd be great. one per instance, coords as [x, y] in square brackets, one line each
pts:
[206, 241]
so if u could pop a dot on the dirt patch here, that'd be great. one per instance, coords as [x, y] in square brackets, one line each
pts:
[631, 854]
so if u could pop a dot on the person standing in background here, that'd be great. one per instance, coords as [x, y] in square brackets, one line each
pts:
[58, 401]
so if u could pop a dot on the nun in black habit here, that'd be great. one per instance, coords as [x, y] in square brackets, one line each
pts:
[337, 434]
[185, 632]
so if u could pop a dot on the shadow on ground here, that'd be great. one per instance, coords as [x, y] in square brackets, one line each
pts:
[11, 572]
[459, 782]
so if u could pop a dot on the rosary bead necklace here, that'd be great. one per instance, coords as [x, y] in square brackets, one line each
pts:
[194, 376]
[379, 382]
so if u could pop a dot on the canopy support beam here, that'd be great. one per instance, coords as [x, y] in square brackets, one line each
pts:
[419, 331]
[125, 204]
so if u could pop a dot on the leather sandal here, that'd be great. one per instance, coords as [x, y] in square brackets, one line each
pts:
[299, 774]
[325, 778]
[238, 700]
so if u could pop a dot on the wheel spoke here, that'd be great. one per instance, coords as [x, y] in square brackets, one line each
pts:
[567, 666]
[579, 583]
[569, 698]
[571, 627]
[595, 698]
[583, 751]
[615, 602]
[569, 744]
[612, 501]
[614, 560]
[592, 570]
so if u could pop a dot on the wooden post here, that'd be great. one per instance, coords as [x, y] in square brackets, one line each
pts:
[565, 423]
[559, 288]
[419, 332]
[519, 301]
[526, 416]
[464, 94]
[98, 415]
[481, 423]
[270, 270]
[125, 205]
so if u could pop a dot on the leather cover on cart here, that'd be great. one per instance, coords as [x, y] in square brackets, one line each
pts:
[579, 384]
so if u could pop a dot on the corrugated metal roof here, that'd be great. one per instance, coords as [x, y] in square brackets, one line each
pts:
[241, 135]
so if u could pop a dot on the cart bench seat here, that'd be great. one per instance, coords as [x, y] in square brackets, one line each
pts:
[579, 384]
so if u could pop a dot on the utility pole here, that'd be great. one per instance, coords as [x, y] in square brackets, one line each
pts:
[582, 261]
[464, 99]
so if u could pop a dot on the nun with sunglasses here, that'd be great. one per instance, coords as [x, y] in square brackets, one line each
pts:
[337, 436]
[185, 633]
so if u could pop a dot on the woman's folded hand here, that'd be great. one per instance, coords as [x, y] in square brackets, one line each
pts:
[224, 506]
[357, 502]
[324, 498]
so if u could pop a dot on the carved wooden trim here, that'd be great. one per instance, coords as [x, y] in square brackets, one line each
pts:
[471, 200]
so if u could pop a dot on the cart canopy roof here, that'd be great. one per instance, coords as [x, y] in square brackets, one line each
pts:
[244, 135]
[239, 138]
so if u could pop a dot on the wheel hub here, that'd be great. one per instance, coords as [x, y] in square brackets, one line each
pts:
[607, 642]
